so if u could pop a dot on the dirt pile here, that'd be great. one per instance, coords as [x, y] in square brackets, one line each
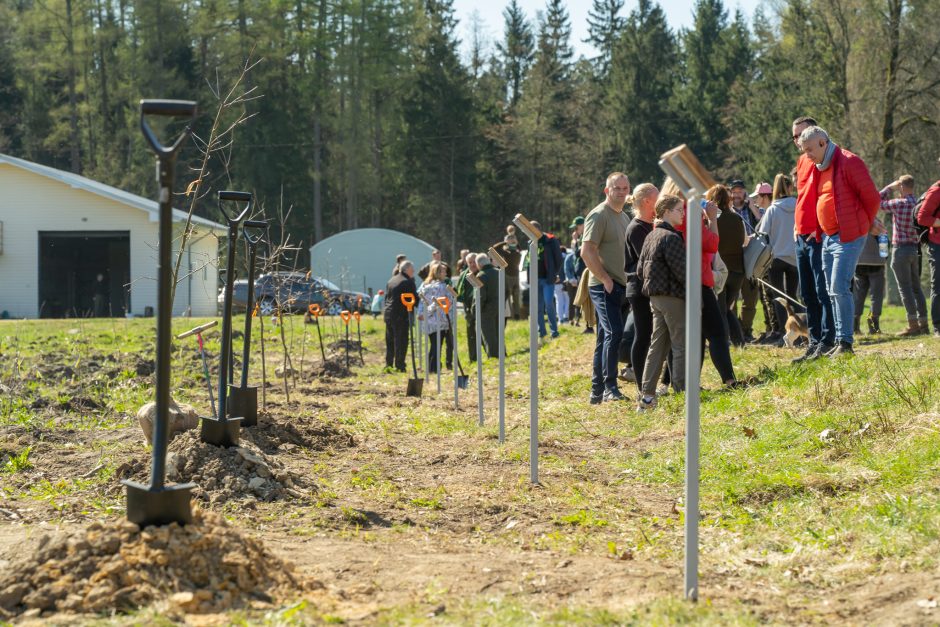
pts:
[203, 567]
[230, 474]
[283, 434]
[332, 368]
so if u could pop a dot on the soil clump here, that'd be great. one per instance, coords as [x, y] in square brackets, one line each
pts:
[230, 474]
[200, 568]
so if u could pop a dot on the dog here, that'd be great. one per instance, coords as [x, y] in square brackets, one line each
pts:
[796, 324]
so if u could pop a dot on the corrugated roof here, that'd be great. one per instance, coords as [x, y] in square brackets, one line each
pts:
[77, 181]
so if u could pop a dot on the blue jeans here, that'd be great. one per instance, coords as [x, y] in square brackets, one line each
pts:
[608, 307]
[839, 261]
[933, 251]
[547, 301]
[813, 290]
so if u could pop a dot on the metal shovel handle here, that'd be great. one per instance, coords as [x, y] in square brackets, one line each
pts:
[237, 197]
[254, 235]
[166, 108]
[198, 329]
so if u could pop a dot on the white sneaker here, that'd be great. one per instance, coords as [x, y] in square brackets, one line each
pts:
[627, 374]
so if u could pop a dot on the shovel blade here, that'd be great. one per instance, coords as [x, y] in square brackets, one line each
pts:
[243, 402]
[220, 433]
[415, 386]
[159, 507]
[463, 381]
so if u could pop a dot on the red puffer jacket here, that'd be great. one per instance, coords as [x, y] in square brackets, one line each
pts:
[856, 197]
[709, 247]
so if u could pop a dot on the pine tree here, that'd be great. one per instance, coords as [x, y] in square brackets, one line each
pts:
[604, 27]
[644, 118]
[517, 50]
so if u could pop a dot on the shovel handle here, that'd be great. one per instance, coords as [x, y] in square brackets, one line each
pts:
[408, 300]
[314, 310]
[444, 303]
[198, 329]
[236, 197]
[166, 108]
[254, 236]
[356, 315]
[345, 315]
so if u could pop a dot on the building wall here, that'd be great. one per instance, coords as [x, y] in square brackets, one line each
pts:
[30, 203]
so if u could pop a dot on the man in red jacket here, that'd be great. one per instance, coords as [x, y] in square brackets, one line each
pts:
[822, 332]
[929, 215]
[846, 202]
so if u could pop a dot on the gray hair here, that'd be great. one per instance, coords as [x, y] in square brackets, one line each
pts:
[813, 132]
[470, 256]
[483, 260]
[405, 265]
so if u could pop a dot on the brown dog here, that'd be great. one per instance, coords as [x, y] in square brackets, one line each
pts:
[796, 323]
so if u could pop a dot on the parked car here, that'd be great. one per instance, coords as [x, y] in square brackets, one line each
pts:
[296, 291]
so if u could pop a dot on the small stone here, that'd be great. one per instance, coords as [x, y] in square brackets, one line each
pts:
[263, 472]
[256, 484]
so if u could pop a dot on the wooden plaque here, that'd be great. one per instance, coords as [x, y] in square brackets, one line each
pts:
[527, 227]
[686, 170]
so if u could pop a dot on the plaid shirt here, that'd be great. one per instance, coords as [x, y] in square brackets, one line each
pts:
[902, 217]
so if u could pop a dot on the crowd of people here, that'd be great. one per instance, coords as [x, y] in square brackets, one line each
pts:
[623, 273]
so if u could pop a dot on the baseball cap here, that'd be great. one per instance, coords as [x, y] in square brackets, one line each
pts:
[737, 183]
[763, 188]
[576, 222]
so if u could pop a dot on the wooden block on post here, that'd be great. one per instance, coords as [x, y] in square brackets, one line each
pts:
[686, 170]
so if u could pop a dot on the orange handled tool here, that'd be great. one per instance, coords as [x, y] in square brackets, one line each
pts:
[345, 315]
[314, 310]
[408, 300]
[444, 303]
[356, 315]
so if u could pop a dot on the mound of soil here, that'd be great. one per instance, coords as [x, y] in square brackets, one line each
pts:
[332, 368]
[229, 474]
[200, 568]
[282, 434]
[339, 348]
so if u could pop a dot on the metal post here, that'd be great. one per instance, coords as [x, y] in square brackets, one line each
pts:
[533, 360]
[456, 356]
[437, 357]
[479, 330]
[693, 347]
[502, 355]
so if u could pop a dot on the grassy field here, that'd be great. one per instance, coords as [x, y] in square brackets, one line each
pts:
[820, 484]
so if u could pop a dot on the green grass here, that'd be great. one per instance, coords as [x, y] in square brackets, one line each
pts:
[819, 465]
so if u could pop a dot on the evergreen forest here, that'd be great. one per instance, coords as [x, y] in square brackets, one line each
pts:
[375, 113]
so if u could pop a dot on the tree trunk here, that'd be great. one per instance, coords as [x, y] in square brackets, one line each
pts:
[76, 165]
[893, 41]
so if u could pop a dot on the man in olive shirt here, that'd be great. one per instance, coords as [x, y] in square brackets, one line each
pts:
[603, 252]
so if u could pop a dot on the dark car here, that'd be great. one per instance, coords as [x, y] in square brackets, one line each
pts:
[294, 291]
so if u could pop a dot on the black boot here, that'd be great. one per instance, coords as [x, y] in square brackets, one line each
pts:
[873, 327]
[857, 328]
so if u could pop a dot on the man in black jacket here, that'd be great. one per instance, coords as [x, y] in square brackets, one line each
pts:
[396, 316]
[490, 306]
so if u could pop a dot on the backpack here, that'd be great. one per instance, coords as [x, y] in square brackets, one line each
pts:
[923, 231]
[757, 256]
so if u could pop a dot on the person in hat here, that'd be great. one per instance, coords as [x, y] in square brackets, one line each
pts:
[760, 200]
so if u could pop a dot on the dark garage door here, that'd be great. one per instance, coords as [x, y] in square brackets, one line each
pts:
[84, 273]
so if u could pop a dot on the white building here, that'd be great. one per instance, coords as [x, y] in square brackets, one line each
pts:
[364, 258]
[70, 246]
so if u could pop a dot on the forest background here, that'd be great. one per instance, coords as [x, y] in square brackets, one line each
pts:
[366, 113]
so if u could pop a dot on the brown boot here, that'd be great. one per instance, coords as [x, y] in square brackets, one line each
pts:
[924, 326]
[913, 328]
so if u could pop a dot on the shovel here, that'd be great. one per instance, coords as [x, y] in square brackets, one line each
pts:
[243, 400]
[223, 430]
[345, 315]
[315, 311]
[202, 352]
[157, 503]
[463, 381]
[415, 385]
